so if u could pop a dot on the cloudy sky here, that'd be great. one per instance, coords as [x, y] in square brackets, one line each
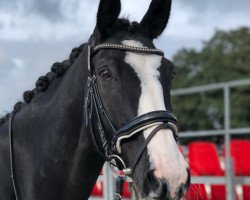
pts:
[36, 33]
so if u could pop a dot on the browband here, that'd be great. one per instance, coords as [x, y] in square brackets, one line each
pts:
[126, 47]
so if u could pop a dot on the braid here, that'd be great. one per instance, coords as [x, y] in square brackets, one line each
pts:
[43, 82]
[58, 69]
[28, 96]
[18, 106]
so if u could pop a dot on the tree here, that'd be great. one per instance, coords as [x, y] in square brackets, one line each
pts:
[225, 57]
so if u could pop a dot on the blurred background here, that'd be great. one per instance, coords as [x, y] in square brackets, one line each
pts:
[209, 43]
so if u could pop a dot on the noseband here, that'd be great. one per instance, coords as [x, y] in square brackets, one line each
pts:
[162, 119]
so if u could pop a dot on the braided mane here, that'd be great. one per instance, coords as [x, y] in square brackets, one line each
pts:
[57, 70]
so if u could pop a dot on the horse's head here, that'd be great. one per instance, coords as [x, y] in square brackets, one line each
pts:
[131, 83]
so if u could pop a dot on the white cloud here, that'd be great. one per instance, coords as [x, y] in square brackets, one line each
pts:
[16, 25]
[18, 63]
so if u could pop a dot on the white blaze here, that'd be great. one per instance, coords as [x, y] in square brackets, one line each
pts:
[164, 154]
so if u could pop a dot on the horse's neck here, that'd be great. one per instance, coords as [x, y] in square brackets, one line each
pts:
[54, 154]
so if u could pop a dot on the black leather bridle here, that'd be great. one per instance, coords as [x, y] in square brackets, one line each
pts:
[162, 119]
[93, 104]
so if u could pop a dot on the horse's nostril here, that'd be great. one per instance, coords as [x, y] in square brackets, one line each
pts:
[187, 184]
[160, 192]
[153, 187]
[184, 187]
[181, 191]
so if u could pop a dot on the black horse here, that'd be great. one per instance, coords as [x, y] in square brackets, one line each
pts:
[108, 101]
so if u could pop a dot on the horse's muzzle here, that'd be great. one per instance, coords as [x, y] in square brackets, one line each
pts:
[155, 188]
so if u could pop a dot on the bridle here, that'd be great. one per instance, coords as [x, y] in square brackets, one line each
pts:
[93, 105]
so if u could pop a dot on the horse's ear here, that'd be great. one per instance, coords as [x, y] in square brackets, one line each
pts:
[155, 20]
[107, 16]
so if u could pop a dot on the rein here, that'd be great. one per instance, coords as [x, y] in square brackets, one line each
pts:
[12, 115]
[162, 119]
[93, 104]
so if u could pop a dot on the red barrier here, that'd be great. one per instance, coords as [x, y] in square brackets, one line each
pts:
[204, 161]
[196, 192]
[98, 189]
[240, 150]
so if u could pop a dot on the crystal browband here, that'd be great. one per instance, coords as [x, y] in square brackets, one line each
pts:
[126, 47]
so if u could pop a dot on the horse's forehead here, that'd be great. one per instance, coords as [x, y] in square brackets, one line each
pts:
[134, 43]
[145, 65]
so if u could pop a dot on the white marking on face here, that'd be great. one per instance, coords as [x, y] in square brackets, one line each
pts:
[164, 155]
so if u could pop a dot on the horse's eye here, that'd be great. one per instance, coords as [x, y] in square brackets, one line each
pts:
[105, 74]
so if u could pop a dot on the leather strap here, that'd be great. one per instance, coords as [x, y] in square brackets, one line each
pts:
[142, 122]
[145, 119]
[144, 145]
[12, 115]
[127, 48]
